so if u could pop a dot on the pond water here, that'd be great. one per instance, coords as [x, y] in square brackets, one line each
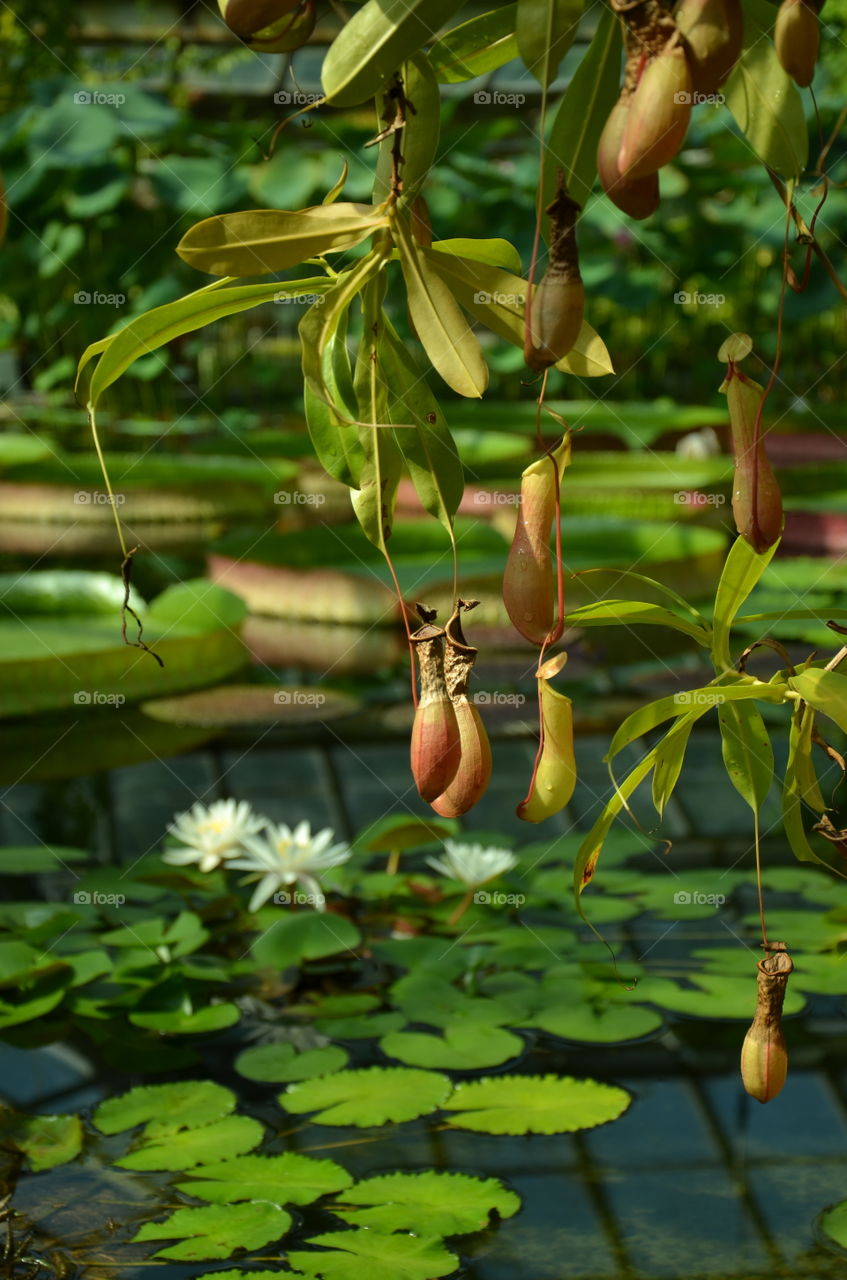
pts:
[695, 1180]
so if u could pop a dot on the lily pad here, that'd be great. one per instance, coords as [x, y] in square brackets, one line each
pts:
[281, 1063]
[428, 1204]
[252, 704]
[189, 1147]
[285, 1179]
[307, 935]
[399, 832]
[31, 860]
[534, 1104]
[465, 1047]
[212, 1017]
[598, 1024]
[46, 1141]
[165, 1108]
[380, 1257]
[372, 1096]
[216, 1231]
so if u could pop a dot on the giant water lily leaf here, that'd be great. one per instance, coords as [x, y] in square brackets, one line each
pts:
[445, 335]
[764, 99]
[462, 1047]
[372, 1096]
[826, 691]
[148, 332]
[189, 1147]
[281, 1063]
[747, 751]
[583, 111]
[497, 299]
[380, 1257]
[534, 1104]
[428, 1204]
[46, 1141]
[285, 1179]
[304, 936]
[597, 1024]
[262, 240]
[476, 47]
[165, 1108]
[378, 37]
[234, 705]
[545, 31]
[216, 1231]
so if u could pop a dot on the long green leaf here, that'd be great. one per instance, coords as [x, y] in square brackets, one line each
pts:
[258, 241]
[379, 36]
[420, 132]
[321, 322]
[374, 501]
[497, 299]
[662, 589]
[742, 570]
[764, 99]
[336, 444]
[497, 253]
[152, 330]
[826, 691]
[747, 751]
[777, 615]
[448, 341]
[792, 793]
[583, 111]
[545, 31]
[476, 47]
[429, 449]
[670, 755]
[588, 853]
[629, 612]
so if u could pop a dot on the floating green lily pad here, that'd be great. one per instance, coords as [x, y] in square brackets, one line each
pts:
[189, 1147]
[216, 1231]
[372, 1096]
[213, 1017]
[597, 1024]
[428, 1204]
[466, 1047]
[285, 1179]
[534, 1104]
[46, 1141]
[165, 1108]
[281, 1063]
[305, 935]
[31, 860]
[379, 1257]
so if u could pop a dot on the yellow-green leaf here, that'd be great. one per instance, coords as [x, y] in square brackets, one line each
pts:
[476, 47]
[258, 241]
[826, 691]
[747, 751]
[545, 31]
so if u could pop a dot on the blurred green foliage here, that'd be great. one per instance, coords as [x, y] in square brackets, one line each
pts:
[101, 190]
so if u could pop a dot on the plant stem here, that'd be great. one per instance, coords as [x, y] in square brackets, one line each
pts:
[393, 863]
[462, 907]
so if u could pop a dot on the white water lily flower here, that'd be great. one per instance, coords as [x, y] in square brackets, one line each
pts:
[283, 856]
[473, 864]
[213, 835]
